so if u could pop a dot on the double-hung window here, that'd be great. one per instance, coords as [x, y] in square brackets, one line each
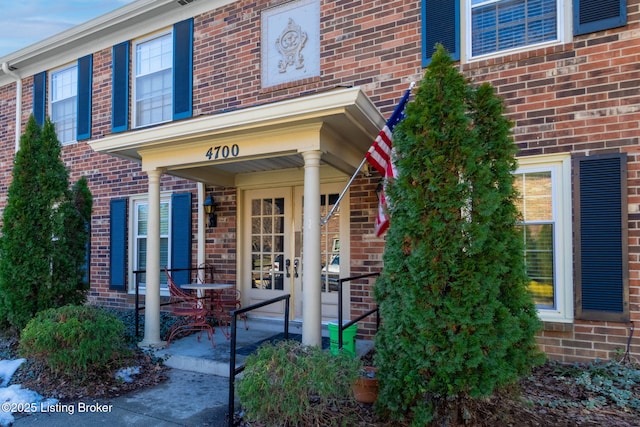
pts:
[500, 25]
[544, 202]
[161, 75]
[153, 80]
[67, 93]
[64, 91]
[493, 27]
[140, 230]
[129, 224]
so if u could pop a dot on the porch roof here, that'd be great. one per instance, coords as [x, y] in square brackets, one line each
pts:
[341, 123]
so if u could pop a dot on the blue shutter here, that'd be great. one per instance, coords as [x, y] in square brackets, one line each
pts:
[120, 88]
[440, 24]
[85, 68]
[118, 245]
[596, 15]
[182, 69]
[601, 252]
[39, 97]
[181, 236]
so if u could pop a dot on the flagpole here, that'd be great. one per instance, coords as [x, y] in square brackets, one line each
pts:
[324, 220]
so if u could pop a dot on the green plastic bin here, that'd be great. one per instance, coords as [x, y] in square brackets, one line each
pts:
[348, 338]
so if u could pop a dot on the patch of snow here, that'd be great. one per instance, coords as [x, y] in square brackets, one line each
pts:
[15, 398]
[126, 374]
[8, 368]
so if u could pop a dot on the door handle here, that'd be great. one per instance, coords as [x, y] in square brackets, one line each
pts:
[287, 264]
[295, 267]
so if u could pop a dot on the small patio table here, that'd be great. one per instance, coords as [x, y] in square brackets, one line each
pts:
[216, 290]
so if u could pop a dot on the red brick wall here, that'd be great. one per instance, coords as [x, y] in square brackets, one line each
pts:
[7, 138]
[366, 250]
[362, 44]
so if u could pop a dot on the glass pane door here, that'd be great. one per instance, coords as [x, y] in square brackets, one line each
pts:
[267, 231]
[267, 243]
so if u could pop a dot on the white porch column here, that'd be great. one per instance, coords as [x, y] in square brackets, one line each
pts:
[152, 298]
[202, 226]
[312, 290]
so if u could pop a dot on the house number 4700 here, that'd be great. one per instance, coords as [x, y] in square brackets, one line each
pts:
[222, 152]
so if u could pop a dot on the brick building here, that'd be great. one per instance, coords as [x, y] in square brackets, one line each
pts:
[261, 104]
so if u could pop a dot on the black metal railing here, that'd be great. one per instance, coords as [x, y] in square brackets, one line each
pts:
[341, 326]
[233, 370]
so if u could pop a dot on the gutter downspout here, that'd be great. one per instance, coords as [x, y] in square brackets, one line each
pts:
[7, 70]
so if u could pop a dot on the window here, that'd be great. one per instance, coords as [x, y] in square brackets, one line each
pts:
[140, 223]
[543, 184]
[128, 240]
[64, 91]
[154, 80]
[67, 92]
[499, 25]
[161, 77]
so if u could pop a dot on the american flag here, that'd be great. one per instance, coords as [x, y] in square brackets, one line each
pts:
[379, 156]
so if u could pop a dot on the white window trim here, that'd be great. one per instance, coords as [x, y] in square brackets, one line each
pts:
[564, 31]
[560, 167]
[132, 253]
[50, 98]
[134, 108]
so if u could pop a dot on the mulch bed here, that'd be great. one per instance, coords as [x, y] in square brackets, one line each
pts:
[36, 377]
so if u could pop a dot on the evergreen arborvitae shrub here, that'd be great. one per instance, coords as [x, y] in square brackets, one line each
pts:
[77, 341]
[69, 258]
[458, 319]
[44, 231]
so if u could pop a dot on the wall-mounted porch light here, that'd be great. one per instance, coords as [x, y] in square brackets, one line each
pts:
[210, 209]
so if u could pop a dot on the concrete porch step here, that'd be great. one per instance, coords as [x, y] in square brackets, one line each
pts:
[196, 353]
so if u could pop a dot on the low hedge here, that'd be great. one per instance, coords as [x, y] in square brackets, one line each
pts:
[75, 340]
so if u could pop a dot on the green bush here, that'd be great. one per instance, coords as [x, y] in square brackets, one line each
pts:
[75, 340]
[292, 384]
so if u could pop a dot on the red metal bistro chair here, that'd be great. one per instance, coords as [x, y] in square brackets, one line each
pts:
[229, 299]
[191, 311]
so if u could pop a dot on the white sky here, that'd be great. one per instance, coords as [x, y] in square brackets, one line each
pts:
[25, 22]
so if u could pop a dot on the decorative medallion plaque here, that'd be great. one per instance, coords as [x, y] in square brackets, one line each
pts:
[290, 42]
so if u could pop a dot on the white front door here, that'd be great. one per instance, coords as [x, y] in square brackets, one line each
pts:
[273, 259]
[268, 229]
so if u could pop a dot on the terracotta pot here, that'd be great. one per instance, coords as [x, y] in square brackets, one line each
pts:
[365, 388]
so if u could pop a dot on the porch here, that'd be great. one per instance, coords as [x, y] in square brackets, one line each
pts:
[191, 354]
[275, 156]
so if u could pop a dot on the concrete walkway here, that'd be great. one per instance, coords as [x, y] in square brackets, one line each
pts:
[185, 399]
